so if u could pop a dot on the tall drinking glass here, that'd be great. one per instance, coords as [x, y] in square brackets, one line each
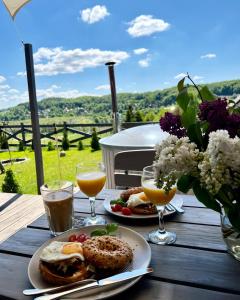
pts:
[159, 197]
[91, 180]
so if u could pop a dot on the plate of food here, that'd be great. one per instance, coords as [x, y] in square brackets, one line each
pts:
[90, 252]
[134, 204]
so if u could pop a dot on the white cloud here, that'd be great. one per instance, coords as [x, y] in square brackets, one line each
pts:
[54, 61]
[4, 87]
[2, 78]
[144, 63]
[146, 25]
[103, 87]
[196, 77]
[166, 83]
[209, 56]
[94, 14]
[180, 76]
[140, 51]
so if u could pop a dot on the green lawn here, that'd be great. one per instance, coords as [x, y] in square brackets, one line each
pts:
[26, 175]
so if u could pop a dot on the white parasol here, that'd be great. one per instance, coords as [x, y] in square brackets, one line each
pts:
[13, 6]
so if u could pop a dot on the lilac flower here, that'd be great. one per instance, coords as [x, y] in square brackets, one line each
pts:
[233, 125]
[172, 124]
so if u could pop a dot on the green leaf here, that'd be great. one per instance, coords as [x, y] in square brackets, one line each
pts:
[205, 197]
[195, 134]
[207, 95]
[185, 183]
[183, 99]
[110, 228]
[188, 117]
[180, 85]
[234, 216]
[118, 201]
[98, 232]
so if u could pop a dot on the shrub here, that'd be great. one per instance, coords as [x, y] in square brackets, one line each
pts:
[138, 116]
[130, 115]
[3, 141]
[21, 146]
[94, 142]
[50, 146]
[65, 141]
[80, 145]
[10, 184]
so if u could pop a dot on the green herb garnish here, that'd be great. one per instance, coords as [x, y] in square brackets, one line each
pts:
[109, 230]
[118, 201]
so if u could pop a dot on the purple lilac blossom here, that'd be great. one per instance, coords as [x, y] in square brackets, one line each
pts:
[218, 117]
[172, 124]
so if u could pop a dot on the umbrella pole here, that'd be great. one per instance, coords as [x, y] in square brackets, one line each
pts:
[115, 114]
[34, 115]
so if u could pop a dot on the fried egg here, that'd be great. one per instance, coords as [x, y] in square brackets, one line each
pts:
[137, 199]
[56, 251]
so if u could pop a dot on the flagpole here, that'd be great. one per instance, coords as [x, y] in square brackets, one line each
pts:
[34, 115]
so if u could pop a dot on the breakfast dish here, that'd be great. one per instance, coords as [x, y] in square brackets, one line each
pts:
[74, 260]
[133, 203]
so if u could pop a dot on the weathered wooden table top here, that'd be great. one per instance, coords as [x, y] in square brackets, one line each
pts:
[196, 267]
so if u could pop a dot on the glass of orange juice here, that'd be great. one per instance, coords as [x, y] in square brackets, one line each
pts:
[91, 180]
[159, 197]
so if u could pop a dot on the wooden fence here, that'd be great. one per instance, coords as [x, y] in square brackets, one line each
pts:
[23, 133]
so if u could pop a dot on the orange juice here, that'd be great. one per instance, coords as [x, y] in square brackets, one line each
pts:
[155, 195]
[91, 183]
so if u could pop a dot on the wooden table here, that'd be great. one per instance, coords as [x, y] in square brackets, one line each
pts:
[196, 267]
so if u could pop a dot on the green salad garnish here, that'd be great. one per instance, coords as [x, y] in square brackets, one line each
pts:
[108, 230]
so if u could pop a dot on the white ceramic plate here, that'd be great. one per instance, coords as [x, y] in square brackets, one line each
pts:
[176, 201]
[141, 259]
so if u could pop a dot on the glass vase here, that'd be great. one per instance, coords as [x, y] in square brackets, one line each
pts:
[231, 237]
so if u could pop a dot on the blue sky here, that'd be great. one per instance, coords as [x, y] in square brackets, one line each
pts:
[154, 42]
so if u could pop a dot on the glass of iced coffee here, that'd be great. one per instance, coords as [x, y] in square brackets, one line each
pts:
[58, 203]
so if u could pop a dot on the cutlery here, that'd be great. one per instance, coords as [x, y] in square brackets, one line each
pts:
[30, 292]
[178, 209]
[107, 281]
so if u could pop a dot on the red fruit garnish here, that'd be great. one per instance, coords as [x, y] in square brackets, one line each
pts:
[126, 211]
[72, 238]
[118, 207]
[82, 237]
[113, 208]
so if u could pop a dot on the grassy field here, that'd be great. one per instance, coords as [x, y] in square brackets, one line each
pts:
[26, 174]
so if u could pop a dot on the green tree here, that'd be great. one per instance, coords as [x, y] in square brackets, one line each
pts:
[65, 141]
[94, 142]
[21, 146]
[50, 146]
[80, 145]
[3, 141]
[10, 184]
[138, 116]
[130, 115]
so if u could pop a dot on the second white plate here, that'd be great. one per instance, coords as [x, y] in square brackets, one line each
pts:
[176, 201]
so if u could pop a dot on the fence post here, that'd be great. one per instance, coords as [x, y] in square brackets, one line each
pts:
[23, 134]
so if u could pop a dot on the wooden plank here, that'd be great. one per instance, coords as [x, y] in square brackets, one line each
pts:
[192, 236]
[4, 197]
[15, 267]
[193, 215]
[19, 214]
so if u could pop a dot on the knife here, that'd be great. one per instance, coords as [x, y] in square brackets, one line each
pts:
[104, 282]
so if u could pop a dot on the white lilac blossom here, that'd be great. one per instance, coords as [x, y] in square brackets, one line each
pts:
[221, 162]
[175, 157]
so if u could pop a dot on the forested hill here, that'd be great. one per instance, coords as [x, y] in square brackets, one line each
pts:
[94, 106]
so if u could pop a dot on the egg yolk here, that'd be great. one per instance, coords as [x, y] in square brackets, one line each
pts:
[72, 248]
[143, 197]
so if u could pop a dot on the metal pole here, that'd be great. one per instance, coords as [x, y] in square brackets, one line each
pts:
[115, 114]
[34, 115]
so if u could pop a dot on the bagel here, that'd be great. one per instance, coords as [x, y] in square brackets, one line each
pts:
[51, 274]
[126, 194]
[107, 252]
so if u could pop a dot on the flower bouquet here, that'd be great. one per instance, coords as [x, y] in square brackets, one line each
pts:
[202, 153]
